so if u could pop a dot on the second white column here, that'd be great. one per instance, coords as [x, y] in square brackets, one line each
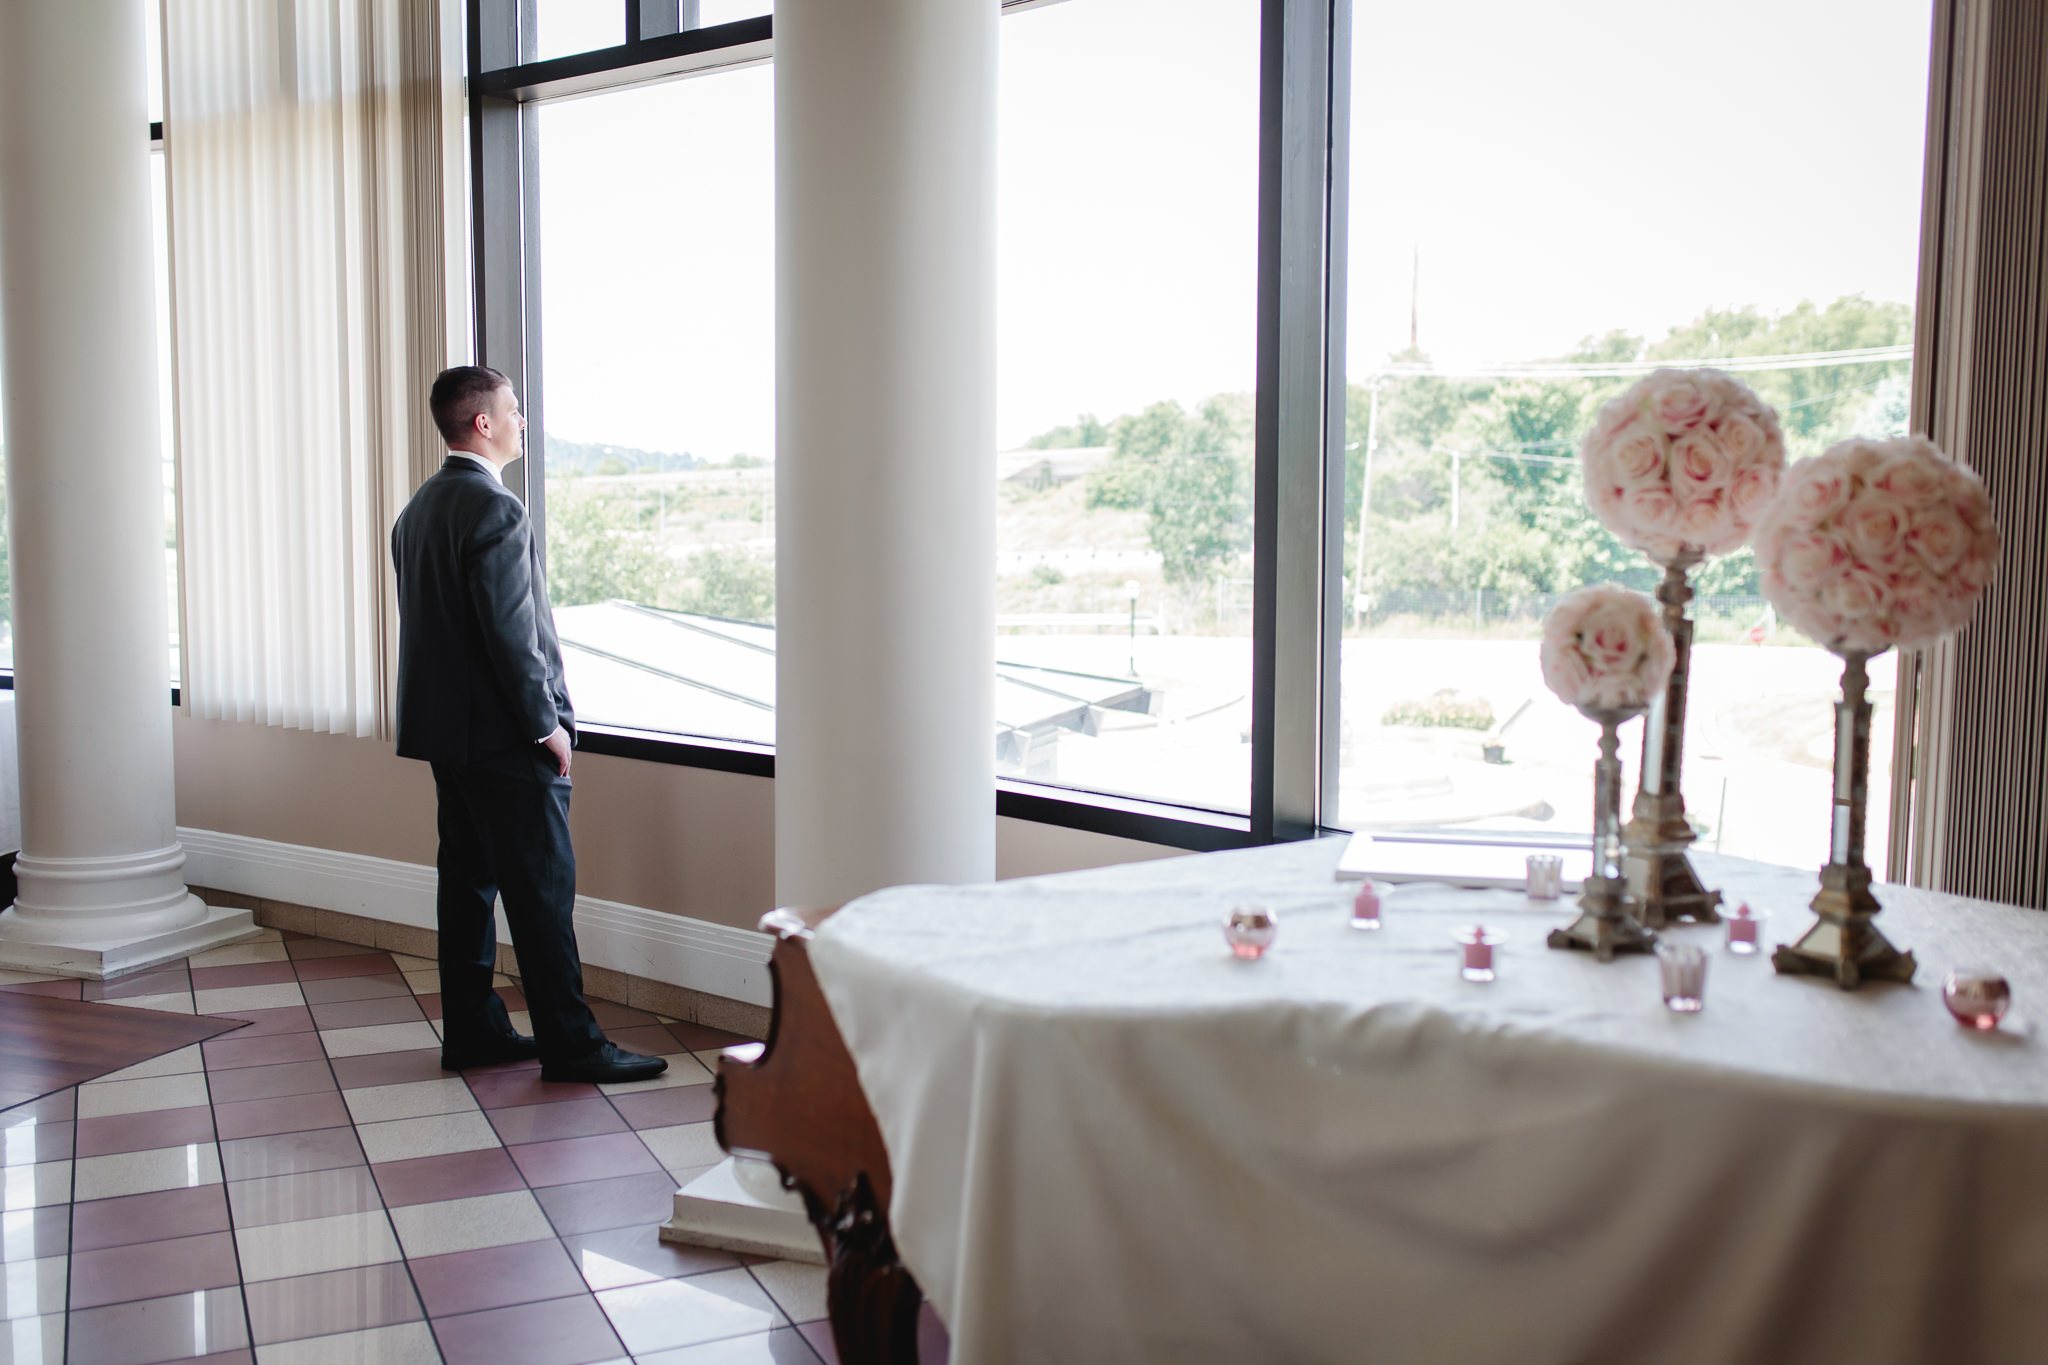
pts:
[885, 472]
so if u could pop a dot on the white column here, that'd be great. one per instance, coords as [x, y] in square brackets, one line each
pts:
[885, 467]
[101, 870]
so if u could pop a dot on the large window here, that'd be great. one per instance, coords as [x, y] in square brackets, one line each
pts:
[564, 27]
[1529, 233]
[1297, 343]
[659, 308]
[1128, 183]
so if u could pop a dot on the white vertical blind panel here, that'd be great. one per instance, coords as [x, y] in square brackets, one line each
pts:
[302, 143]
[1976, 706]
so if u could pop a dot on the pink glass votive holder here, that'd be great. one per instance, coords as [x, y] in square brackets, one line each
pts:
[1745, 930]
[1365, 907]
[1249, 930]
[1976, 996]
[1478, 943]
[1683, 969]
[1545, 877]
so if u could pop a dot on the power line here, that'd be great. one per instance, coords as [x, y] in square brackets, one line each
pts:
[1805, 360]
[1517, 455]
[1560, 443]
[1833, 393]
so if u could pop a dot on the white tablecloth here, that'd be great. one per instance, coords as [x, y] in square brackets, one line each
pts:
[1113, 1142]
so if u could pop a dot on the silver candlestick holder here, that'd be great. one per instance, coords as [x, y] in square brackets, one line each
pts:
[1660, 874]
[1843, 943]
[1607, 922]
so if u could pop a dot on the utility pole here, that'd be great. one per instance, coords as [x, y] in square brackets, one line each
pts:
[1414, 301]
[1131, 591]
[1372, 442]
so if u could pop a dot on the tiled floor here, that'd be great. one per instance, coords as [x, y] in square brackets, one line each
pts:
[49, 1044]
[314, 1188]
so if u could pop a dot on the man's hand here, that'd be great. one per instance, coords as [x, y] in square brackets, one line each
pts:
[558, 745]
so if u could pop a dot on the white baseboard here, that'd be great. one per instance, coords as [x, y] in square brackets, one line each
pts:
[714, 958]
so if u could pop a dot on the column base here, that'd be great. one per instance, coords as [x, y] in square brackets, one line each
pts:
[213, 927]
[716, 1210]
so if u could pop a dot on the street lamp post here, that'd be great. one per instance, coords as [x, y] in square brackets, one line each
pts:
[1131, 591]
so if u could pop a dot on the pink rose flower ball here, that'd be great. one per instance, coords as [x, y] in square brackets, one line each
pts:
[1605, 647]
[1685, 458]
[1877, 543]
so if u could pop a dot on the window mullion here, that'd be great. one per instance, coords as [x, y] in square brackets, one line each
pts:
[1290, 543]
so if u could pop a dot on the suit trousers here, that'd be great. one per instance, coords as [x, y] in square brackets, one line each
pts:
[504, 825]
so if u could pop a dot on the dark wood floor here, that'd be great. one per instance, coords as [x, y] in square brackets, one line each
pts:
[51, 1044]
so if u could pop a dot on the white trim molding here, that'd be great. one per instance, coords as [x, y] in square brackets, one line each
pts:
[714, 958]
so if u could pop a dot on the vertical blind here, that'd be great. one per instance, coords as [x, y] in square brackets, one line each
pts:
[1975, 709]
[303, 150]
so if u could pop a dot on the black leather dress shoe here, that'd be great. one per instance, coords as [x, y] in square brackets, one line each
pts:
[496, 1052]
[608, 1065]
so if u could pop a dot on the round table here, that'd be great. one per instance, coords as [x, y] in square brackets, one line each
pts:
[1113, 1141]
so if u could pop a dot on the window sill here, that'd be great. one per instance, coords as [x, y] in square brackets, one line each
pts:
[1152, 822]
[683, 751]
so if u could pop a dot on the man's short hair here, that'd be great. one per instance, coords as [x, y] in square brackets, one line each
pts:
[460, 395]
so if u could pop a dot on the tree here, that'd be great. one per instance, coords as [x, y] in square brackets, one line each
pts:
[730, 581]
[599, 547]
[1084, 431]
[565, 457]
[1415, 416]
[1816, 406]
[1139, 443]
[1732, 575]
[1199, 516]
[1523, 517]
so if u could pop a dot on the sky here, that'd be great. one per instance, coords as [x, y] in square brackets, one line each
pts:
[1559, 168]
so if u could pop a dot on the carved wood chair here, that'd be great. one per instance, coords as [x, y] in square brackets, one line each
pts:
[796, 1101]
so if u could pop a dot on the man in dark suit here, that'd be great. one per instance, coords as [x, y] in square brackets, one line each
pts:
[481, 697]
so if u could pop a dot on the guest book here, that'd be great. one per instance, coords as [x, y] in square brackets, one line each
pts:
[1471, 860]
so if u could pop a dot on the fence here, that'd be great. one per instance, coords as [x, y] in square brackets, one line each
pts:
[1479, 608]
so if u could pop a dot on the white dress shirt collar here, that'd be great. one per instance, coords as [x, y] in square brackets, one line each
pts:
[479, 461]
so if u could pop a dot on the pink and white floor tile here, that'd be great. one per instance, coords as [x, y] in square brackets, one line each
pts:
[315, 1189]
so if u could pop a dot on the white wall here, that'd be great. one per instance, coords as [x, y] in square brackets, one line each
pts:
[684, 841]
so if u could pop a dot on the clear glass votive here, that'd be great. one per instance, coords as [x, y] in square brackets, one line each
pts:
[1683, 967]
[1976, 996]
[1478, 943]
[1249, 930]
[1365, 906]
[1545, 878]
[1745, 930]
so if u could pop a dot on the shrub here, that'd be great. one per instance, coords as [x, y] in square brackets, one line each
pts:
[728, 581]
[1447, 708]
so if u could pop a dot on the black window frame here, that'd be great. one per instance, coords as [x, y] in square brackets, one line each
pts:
[1298, 460]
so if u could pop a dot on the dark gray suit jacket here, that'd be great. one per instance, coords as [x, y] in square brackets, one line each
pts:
[479, 668]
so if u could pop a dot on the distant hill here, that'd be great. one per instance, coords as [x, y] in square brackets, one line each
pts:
[579, 457]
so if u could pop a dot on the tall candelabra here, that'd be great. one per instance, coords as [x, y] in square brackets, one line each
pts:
[1843, 943]
[1660, 874]
[1607, 923]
